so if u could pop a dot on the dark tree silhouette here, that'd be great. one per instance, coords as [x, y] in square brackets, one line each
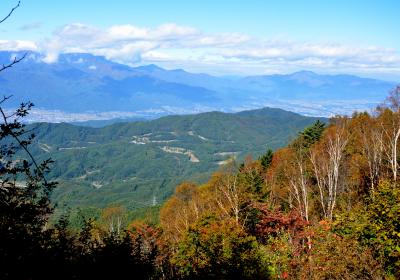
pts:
[24, 191]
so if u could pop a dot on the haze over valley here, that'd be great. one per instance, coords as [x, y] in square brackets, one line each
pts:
[83, 87]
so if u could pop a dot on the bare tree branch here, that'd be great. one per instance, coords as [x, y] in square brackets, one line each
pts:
[12, 10]
[5, 98]
[15, 61]
[21, 144]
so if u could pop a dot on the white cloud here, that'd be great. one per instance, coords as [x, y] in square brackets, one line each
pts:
[50, 57]
[185, 47]
[127, 32]
[18, 45]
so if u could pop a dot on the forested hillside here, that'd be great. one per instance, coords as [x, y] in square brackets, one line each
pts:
[139, 164]
[326, 206]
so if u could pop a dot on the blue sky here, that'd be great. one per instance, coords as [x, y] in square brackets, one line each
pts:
[218, 37]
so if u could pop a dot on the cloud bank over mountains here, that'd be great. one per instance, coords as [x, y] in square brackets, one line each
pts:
[175, 46]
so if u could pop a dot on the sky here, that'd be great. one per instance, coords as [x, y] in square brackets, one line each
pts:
[218, 37]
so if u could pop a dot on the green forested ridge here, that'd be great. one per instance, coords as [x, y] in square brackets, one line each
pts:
[102, 166]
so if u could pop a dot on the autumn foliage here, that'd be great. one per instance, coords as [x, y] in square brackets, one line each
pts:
[324, 207]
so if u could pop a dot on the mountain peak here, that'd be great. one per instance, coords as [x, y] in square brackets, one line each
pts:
[303, 73]
[149, 67]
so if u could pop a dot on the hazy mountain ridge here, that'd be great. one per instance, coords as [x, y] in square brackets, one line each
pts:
[83, 87]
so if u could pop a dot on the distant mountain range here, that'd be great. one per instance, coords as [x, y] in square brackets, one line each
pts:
[137, 163]
[83, 87]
